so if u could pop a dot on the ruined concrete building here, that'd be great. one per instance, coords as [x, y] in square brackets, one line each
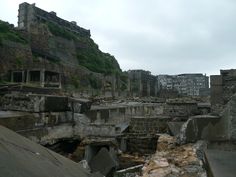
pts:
[223, 86]
[49, 52]
[30, 15]
[37, 76]
[142, 83]
[186, 84]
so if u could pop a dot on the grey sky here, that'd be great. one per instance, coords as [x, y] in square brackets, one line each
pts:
[162, 36]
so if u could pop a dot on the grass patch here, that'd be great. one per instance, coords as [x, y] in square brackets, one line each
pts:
[7, 32]
[59, 31]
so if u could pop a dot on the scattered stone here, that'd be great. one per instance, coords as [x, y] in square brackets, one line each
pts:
[171, 160]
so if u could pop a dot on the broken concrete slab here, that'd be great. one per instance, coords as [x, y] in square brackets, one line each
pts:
[203, 127]
[174, 127]
[21, 157]
[79, 105]
[103, 162]
[34, 102]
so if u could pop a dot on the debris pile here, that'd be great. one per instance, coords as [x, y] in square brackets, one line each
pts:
[171, 160]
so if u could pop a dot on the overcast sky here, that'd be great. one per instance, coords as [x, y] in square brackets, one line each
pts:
[162, 36]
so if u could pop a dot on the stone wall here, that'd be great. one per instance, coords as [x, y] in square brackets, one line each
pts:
[13, 56]
[223, 87]
[229, 115]
[228, 83]
[148, 125]
[123, 112]
[216, 90]
[142, 145]
[180, 110]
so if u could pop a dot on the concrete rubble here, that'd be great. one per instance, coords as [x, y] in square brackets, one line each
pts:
[171, 160]
[103, 162]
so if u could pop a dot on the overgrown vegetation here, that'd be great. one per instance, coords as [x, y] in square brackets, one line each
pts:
[58, 31]
[95, 60]
[18, 61]
[7, 32]
[124, 84]
[88, 56]
[75, 81]
[95, 84]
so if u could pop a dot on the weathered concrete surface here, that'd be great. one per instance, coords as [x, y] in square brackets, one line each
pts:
[175, 127]
[41, 128]
[203, 127]
[21, 157]
[148, 125]
[7, 114]
[84, 128]
[43, 103]
[181, 108]
[221, 163]
[211, 128]
[117, 113]
[229, 117]
[103, 162]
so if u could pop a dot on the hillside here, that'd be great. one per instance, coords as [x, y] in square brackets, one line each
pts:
[63, 46]
[47, 45]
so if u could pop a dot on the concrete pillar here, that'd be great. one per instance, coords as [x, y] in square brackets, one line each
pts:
[156, 88]
[113, 82]
[148, 88]
[104, 85]
[23, 76]
[140, 86]
[42, 77]
[128, 87]
[27, 76]
[12, 76]
[59, 80]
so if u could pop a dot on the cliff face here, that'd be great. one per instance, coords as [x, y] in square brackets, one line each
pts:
[71, 49]
[47, 45]
[15, 50]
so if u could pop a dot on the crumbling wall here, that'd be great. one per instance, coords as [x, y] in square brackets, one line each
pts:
[180, 109]
[211, 128]
[148, 125]
[142, 144]
[222, 88]
[229, 115]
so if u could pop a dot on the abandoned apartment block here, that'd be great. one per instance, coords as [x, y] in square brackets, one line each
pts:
[42, 78]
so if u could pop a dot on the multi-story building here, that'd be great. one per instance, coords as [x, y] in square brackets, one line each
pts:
[29, 15]
[142, 83]
[185, 84]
